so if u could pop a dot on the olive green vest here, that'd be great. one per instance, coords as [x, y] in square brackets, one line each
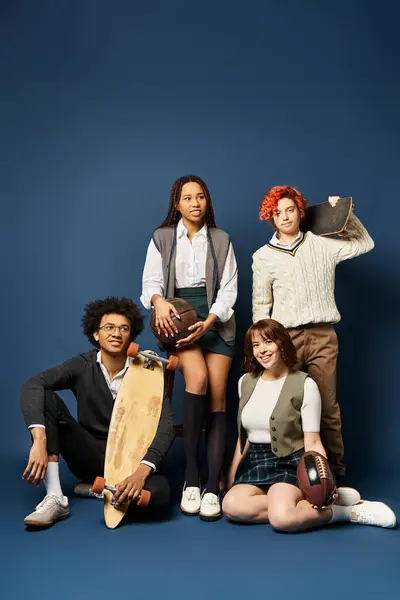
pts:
[285, 422]
[164, 239]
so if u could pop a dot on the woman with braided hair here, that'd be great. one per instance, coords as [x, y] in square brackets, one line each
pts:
[188, 257]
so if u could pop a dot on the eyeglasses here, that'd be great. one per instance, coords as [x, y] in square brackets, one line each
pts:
[110, 328]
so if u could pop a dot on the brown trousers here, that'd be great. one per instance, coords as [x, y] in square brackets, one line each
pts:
[317, 351]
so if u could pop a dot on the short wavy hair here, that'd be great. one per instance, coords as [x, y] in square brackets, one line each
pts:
[95, 311]
[269, 203]
[269, 329]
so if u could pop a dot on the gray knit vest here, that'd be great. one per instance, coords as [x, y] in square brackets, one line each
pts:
[285, 422]
[217, 251]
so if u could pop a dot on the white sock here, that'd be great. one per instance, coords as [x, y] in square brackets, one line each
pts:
[52, 480]
[340, 513]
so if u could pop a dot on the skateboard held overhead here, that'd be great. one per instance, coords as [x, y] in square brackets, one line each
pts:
[323, 219]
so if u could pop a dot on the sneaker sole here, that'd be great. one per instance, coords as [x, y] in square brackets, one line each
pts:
[90, 495]
[210, 518]
[46, 525]
[189, 514]
[86, 492]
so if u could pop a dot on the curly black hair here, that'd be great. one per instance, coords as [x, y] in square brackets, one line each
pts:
[94, 312]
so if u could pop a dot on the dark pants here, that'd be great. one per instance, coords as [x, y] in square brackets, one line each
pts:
[84, 454]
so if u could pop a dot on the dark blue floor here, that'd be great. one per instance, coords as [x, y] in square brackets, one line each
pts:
[186, 558]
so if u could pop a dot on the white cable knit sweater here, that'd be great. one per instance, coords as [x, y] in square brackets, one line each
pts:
[298, 285]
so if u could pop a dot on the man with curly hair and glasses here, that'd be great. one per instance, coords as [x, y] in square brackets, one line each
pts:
[294, 283]
[94, 378]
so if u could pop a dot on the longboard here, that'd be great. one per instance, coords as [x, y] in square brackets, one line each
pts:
[133, 425]
[323, 219]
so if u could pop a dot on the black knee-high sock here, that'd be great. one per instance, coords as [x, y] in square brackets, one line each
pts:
[215, 449]
[194, 406]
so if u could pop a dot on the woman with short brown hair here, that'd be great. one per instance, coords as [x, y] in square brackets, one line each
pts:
[279, 418]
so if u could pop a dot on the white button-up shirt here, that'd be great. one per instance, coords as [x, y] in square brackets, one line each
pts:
[275, 241]
[115, 383]
[190, 271]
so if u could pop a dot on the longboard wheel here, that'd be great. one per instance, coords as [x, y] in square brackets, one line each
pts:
[144, 499]
[172, 363]
[98, 485]
[133, 350]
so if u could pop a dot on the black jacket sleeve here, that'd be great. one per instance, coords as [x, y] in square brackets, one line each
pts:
[62, 377]
[164, 437]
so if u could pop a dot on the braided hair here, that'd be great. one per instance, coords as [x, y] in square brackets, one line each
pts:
[173, 215]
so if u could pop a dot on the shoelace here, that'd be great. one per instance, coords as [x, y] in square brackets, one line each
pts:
[365, 517]
[190, 494]
[47, 500]
[211, 499]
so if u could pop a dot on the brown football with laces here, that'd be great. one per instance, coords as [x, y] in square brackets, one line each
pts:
[315, 479]
[188, 316]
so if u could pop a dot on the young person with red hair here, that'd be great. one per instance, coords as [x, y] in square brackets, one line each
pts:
[293, 282]
[278, 419]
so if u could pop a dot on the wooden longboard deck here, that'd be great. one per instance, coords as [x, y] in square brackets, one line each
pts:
[133, 425]
[323, 219]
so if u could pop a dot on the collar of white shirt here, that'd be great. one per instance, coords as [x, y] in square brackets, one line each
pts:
[275, 240]
[182, 231]
[128, 363]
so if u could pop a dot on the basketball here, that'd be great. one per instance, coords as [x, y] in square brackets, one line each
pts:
[315, 479]
[188, 316]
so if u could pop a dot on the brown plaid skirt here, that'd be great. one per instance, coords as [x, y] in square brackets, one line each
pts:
[262, 467]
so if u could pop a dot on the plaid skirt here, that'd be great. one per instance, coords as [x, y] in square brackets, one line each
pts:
[262, 467]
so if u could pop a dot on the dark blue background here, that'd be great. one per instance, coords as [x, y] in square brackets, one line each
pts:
[104, 104]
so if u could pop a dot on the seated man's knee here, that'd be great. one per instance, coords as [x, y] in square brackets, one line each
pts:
[53, 403]
[50, 399]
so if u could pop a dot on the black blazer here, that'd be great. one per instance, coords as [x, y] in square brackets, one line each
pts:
[83, 376]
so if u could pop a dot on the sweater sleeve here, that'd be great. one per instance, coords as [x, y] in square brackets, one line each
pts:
[164, 437]
[262, 299]
[355, 241]
[62, 377]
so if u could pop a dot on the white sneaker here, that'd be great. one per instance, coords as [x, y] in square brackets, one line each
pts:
[347, 496]
[191, 500]
[210, 509]
[373, 513]
[48, 511]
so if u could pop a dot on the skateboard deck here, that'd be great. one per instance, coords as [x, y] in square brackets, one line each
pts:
[323, 219]
[133, 425]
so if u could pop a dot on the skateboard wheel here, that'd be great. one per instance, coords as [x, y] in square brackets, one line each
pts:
[133, 350]
[98, 485]
[172, 363]
[144, 498]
